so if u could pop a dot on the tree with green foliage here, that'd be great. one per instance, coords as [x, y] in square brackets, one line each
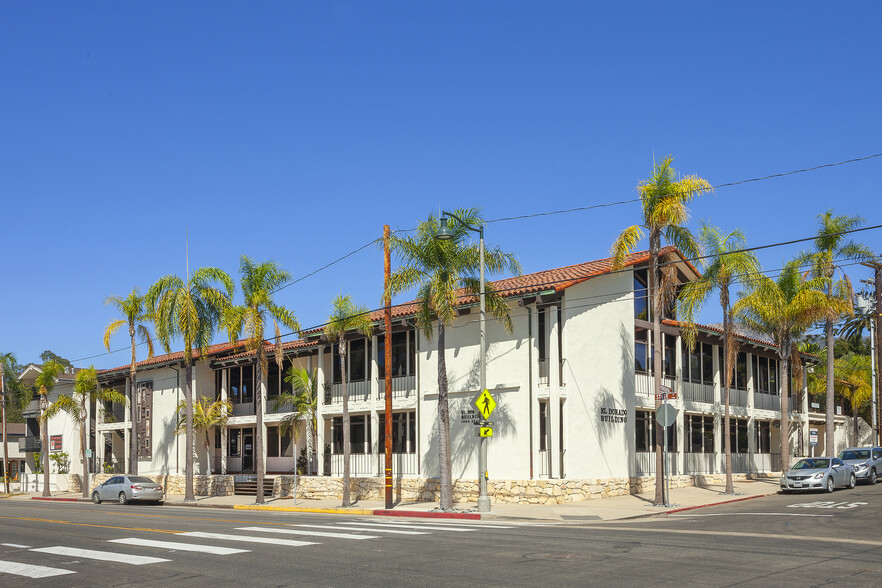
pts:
[854, 383]
[191, 310]
[725, 262]
[208, 415]
[832, 247]
[134, 313]
[259, 282]
[44, 383]
[783, 309]
[303, 400]
[48, 356]
[346, 318]
[76, 405]
[444, 272]
[663, 199]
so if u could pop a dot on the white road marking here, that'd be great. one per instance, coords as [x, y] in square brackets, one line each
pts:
[754, 514]
[248, 538]
[395, 531]
[29, 571]
[310, 533]
[135, 560]
[464, 525]
[213, 549]
[408, 526]
[742, 534]
[15, 545]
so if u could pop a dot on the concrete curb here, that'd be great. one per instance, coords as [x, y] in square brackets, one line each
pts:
[427, 514]
[349, 511]
[54, 499]
[685, 508]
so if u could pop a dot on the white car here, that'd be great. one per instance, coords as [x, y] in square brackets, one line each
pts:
[866, 461]
[125, 489]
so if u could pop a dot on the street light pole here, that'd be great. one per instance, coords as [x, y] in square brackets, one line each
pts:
[444, 233]
[867, 308]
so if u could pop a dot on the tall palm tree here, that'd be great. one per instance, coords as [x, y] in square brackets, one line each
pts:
[207, 415]
[831, 246]
[663, 199]
[345, 319]
[853, 381]
[132, 308]
[44, 383]
[6, 360]
[442, 271]
[725, 262]
[303, 399]
[190, 310]
[85, 392]
[259, 282]
[783, 309]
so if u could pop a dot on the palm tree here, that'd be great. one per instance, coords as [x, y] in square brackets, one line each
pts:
[831, 246]
[663, 199]
[44, 383]
[190, 310]
[132, 308]
[85, 392]
[303, 399]
[6, 360]
[783, 309]
[259, 282]
[853, 380]
[206, 416]
[725, 262]
[346, 318]
[443, 271]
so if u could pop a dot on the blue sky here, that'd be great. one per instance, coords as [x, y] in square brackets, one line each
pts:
[293, 131]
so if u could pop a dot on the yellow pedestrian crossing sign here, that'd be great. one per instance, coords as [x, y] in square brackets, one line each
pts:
[486, 405]
[485, 432]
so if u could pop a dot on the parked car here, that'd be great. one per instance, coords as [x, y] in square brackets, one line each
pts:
[866, 461]
[125, 489]
[818, 473]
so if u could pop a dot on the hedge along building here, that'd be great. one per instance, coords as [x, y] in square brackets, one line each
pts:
[575, 406]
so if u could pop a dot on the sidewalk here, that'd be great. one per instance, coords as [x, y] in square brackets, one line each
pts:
[607, 509]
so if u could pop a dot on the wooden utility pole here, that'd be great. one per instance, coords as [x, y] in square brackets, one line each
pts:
[6, 474]
[387, 361]
[876, 265]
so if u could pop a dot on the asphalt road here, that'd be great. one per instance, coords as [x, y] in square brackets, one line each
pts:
[809, 540]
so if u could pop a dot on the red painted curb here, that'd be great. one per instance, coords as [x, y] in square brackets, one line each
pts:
[55, 499]
[717, 503]
[422, 514]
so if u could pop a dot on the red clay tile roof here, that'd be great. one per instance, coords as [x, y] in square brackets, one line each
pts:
[171, 357]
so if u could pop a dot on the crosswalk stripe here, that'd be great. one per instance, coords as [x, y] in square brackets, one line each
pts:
[212, 549]
[15, 545]
[135, 560]
[403, 526]
[395, 531]
[310, 533]
[247, 538]
[462, 525]
[29, 571]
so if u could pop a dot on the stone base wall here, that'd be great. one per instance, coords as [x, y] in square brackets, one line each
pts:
[176, 484]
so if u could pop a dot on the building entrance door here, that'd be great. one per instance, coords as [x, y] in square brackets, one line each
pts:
[248, 450]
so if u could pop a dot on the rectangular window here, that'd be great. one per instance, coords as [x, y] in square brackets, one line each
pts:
[247, 384]
[543, 425]
[741, 372]
[272, 442]
[773, 377]
[235, 385]
[287, 441]
[400, 353]
[357, 356]
[641, 306]
[694, 364]
[541, 336]
[234, 448]
[645, 432]
[218, 384]
[335, 361]
[337, 435]
[640, 351]
[273, 379]
[359, 434]
[707, 364]
[670, 356]
[701, 433]
[763, 437]
[403, 432]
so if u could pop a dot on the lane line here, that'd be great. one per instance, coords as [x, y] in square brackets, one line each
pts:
[395, 531]
[15, 545]
[212, 549]
[761, 514]
[404, 526]
[87, 524]
[135, 560]
[248, 538]
[462, 525]
[29, 571]
[743, 534]
[310, 533]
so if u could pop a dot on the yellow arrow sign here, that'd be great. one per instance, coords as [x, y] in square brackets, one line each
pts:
[486, 432]
[485, 403]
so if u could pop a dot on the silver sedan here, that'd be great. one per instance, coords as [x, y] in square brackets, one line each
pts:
[125, 489]
[818, 473]
[866, 461]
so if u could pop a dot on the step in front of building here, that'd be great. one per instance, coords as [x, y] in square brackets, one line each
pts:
[249, 487]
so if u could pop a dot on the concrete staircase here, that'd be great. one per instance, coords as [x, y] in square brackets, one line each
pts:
[249, 487]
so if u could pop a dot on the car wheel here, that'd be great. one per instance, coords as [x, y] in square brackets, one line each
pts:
[852, 481]
[830, 485]
[95, 498]
[124, 500]
[873, 476]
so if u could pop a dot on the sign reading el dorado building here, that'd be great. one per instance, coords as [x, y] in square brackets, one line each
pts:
[613, 415]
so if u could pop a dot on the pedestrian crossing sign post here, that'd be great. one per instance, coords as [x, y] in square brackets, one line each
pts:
[485, 431]
[486, 404]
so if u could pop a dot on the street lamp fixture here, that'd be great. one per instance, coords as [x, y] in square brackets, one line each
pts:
[445, 233]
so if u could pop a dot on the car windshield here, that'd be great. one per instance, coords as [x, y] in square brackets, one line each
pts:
[140, 479]
[855, 454]
[812, 464]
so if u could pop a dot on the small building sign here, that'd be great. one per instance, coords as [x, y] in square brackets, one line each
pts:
[613, 415]
[55, 443]
[813, 437]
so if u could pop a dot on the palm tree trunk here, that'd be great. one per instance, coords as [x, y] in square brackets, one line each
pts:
[258, 438]
[7, 475]
[44, 432]
[444, 473]
[727, 322]
[785, 408]
[190, 441]
[84, 422]
[830, 426]
[133, 408]
[314, 425]
[347, 447]
[656, 309]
